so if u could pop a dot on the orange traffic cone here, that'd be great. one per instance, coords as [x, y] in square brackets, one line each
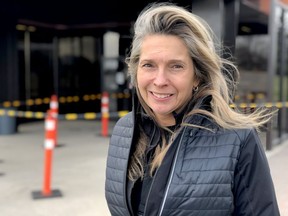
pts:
[49, 144]
[105, 113]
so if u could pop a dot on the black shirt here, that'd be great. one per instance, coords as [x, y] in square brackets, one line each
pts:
[142, 187]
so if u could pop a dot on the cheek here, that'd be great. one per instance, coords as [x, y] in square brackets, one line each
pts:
[142, 81]
[186, 88]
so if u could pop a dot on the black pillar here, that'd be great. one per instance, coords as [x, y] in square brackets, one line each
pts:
[212, 12]
[9, 77]
[230, 24]
[223, 18]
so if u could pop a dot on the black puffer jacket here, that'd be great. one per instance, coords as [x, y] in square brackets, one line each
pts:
[213, 173]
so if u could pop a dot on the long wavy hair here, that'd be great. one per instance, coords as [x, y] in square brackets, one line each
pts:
[217, 76]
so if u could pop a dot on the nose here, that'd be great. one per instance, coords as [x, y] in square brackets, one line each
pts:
[161, 78]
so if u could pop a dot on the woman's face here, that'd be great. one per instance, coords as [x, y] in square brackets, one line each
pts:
[165, 76]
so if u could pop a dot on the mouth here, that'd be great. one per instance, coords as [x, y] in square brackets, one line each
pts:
[161, 95]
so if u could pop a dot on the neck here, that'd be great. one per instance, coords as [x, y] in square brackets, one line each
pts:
[166, 120]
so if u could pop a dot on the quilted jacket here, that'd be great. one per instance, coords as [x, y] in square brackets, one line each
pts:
[210, 174]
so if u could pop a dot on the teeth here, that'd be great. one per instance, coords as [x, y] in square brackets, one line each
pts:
[161, 95]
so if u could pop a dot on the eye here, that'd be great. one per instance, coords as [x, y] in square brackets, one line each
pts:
[147, 65]
[177, 67]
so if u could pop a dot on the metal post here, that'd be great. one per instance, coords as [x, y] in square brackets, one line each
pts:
[27, 54]
[272, 58]
[272, 54]
[55, 66]
[283, 69]
[285, 96]
[269, 136]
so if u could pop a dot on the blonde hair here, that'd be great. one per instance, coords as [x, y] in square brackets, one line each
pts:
[217, 76]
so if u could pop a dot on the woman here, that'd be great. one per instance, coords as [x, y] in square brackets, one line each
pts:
[183, 150]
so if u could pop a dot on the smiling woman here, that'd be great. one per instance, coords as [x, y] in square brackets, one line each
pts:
[183, 150]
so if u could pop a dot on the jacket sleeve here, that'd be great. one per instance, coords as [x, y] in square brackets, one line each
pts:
[254, 193]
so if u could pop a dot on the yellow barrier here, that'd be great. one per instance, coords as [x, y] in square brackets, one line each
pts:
[67, 99]
[67, 116]
[255, 105]
[22, 114]
[91, 115]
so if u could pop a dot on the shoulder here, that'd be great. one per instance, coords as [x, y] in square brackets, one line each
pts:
[210, 127]
[247, 139]
[235, 136]
[126, 121]
[247, 135]
[243, 136]
[124, 126]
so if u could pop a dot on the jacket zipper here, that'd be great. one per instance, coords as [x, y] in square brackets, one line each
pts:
[171, 174]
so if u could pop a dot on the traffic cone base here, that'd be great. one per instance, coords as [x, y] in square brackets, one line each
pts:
[39, 194]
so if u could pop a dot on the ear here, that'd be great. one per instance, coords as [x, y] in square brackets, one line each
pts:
[196, 83]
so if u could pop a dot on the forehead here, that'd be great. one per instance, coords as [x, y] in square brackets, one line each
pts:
[166, 45]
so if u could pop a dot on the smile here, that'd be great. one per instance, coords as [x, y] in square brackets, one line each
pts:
[161, 96]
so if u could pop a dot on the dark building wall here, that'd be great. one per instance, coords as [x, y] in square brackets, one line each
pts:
[9, 76]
